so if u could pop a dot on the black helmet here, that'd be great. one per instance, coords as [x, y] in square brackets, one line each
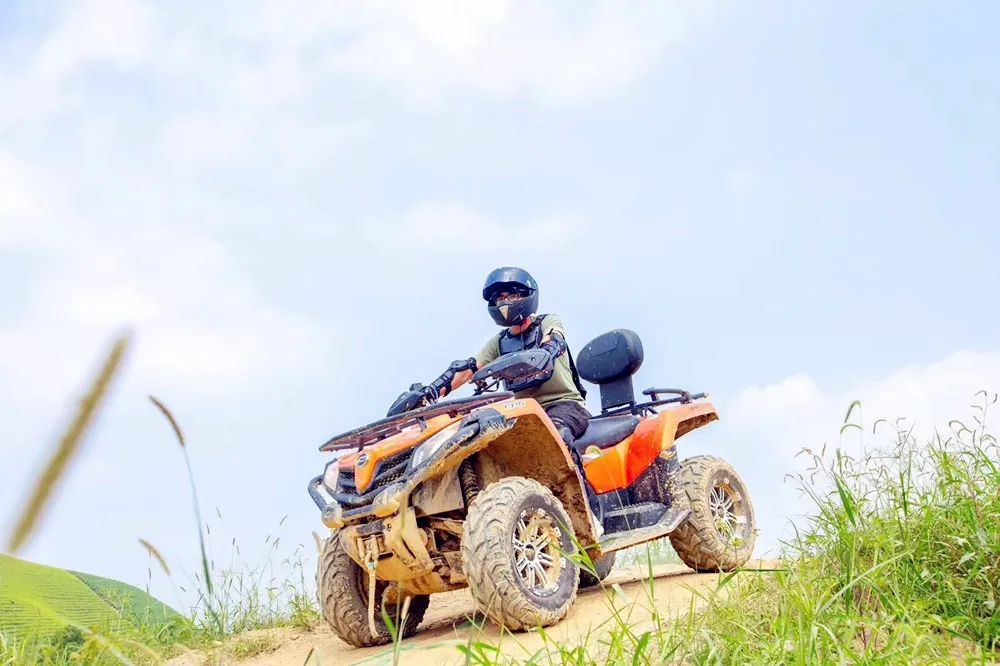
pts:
[511, 279]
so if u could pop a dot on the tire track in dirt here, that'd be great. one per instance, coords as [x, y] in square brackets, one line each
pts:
[452, 620]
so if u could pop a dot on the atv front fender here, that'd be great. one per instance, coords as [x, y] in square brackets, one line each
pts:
[533, 449]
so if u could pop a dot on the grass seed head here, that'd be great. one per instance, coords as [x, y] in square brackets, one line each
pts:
[156, 555]
[68, 446]
[170, 417]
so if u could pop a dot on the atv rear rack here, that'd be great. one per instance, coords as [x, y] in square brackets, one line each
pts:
[639, 408]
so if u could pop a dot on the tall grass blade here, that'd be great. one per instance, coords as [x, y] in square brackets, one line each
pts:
[68, 447]
[206, 568]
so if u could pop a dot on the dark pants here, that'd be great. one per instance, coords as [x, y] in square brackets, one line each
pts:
[570, 419]
[568, 414]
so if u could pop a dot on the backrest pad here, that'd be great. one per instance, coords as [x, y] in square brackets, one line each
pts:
[615, 355]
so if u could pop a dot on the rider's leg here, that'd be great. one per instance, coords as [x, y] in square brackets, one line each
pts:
[570, 419]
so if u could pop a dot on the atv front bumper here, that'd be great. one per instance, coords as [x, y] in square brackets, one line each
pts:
[384, 536]
[484, 421]
[332, 514]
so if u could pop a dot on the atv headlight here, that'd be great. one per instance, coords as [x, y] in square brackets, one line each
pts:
[427, 449]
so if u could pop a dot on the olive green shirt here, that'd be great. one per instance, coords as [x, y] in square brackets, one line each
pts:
[560, 386]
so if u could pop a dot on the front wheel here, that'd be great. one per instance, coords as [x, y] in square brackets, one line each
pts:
[342, 588]
[515, 552]
[719, 534]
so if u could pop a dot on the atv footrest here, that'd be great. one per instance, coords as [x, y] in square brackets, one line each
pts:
[645, 514]
[669, 521]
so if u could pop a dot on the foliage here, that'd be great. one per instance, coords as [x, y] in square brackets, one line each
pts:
[897, 565]
[252, 645]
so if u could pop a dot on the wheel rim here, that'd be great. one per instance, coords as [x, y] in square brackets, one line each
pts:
[728, 511]
[537, 558]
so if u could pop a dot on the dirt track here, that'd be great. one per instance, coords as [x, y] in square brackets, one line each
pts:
[447, 624]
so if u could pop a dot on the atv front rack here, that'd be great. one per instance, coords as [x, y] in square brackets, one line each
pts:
[379, 430]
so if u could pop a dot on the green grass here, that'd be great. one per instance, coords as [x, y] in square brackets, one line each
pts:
[899, 563]
[253, 645]
[126, 598]
[41, 600]
[48, 613]
[36, 598]
[54, 618]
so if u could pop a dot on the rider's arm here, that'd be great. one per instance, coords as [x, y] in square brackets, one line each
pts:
[552, 325]
[554, 338]
[489, 353]
[461, 379]
[444, 384]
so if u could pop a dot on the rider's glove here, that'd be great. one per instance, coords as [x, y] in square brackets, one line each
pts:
[417, 396]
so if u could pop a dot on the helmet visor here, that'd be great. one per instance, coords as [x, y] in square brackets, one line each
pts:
[508, 292]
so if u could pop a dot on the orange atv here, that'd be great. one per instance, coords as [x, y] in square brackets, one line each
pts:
[482, 492]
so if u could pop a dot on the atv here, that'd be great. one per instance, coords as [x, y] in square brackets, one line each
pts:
[481, 492]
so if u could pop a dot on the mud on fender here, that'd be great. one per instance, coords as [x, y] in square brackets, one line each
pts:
[489, 422]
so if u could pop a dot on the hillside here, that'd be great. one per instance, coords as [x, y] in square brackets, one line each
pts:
[38, 599]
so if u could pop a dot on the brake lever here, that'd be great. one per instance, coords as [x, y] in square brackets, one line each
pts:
[483, 386]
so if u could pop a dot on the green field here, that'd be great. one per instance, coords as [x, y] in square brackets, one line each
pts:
[38, 600]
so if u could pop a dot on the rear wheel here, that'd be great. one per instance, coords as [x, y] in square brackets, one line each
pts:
[342, 589]
[515, 553]
[602, 566]
[719, 534]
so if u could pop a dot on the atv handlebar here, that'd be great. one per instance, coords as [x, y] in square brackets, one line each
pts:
[517, 370]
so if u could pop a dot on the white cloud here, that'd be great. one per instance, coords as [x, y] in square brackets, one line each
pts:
[515, 49]
[199, 320]
[450, 227]
[775, 422]
[273, 52]
[111, 32]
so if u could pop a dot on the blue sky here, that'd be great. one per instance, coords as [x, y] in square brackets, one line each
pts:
[293, 209]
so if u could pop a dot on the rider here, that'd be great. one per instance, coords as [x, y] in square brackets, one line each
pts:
[512, 297]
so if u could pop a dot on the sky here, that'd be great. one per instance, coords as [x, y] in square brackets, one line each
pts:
[292, 207]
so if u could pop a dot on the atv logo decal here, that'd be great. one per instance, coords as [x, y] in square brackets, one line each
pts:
[362, 460]
[516, 404]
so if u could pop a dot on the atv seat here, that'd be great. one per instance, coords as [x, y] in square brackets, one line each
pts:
[606, 432]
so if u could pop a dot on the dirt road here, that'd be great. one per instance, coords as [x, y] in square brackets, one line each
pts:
[451, 621]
